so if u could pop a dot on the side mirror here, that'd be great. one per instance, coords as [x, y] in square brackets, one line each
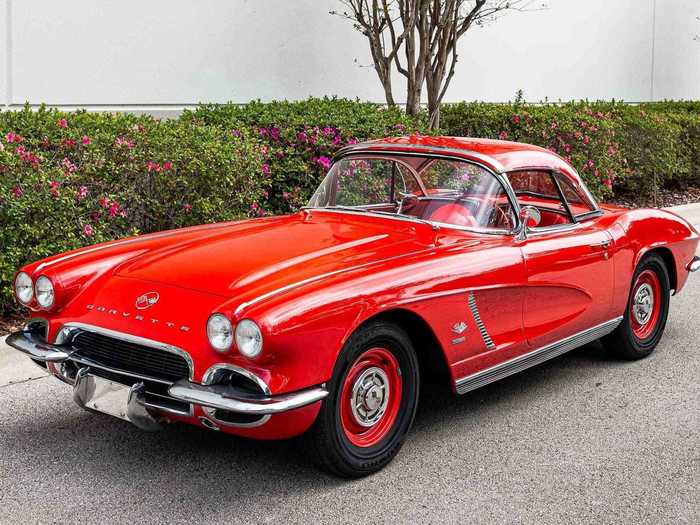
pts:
[530, 216]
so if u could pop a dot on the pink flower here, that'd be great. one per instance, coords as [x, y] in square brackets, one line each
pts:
[586, 139]
[503, 135]
[352, 142]
[279, 154]
[265, 169]
[554, 125]
[516, 119]
[68, 166]
[122, 141]
[567, 148]
[153, 166]
[104, 202]
[275, 133]
[187, 208]
[323, 161]
[264, 150]
[54, 184]
[301, 136]
[235, 133]
[68, 143]
[167, 165]
[114, 209]
[17, 192]
[87, 230]
[86, 140]
[337, 140]
[13, 137]
[81, 193]
[62, 123]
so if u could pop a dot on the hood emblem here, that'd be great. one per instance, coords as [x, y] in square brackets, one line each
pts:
[459, 328]
[147, 300]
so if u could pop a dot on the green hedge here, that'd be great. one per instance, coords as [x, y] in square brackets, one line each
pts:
[617, 148]
[71, 179]
[301, 137]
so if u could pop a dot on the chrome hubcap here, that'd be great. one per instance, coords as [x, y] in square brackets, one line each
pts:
[643, 304]
[370, 396]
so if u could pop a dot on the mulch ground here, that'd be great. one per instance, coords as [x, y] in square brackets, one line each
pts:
[11, 323]
[662, 199]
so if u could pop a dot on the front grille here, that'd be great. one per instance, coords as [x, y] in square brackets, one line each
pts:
[130, 357]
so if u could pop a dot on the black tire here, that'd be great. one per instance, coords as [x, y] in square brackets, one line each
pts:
[327, 443]
[624, 342]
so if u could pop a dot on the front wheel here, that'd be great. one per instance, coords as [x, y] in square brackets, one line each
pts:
[372, 402]
[647, 311]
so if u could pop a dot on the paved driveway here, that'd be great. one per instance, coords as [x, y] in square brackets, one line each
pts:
[583, 438]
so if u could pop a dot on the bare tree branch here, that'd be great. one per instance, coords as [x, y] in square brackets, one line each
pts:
[428, 33]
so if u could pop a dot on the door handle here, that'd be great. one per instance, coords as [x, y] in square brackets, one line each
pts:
[603, 245]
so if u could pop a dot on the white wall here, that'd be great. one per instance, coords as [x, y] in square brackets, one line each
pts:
[156, 53]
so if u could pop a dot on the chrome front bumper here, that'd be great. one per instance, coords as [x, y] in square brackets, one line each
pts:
[694, 265]
[214, 396]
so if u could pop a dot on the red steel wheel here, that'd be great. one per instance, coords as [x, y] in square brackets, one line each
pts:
[645, 304]
[643, 324]
[371, 397]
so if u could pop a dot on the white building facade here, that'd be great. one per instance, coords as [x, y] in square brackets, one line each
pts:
[162, 55]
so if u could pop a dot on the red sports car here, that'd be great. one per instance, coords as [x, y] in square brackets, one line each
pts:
[469, 258]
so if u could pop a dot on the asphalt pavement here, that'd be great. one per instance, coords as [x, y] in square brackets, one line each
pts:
[583, 438]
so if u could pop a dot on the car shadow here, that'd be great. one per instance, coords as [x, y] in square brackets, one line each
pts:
[183, 460]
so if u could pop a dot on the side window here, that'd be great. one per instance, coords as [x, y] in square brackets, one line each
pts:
[577, 199]
[537, 188]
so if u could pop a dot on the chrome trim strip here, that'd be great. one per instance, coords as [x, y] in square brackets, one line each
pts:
[216, 396]
[535, 357]
[63, 339]
[208, 379]
[479, 323]
[694, 265]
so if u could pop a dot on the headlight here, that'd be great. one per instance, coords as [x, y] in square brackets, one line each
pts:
[44, 292]
[24, 288]
[249, 338]
[219, 332]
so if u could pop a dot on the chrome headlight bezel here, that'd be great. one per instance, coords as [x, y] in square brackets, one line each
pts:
[220, 332]
[44, 292]
[249, 339]
[27, 285]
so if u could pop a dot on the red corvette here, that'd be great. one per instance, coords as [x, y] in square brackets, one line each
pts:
[474, 258]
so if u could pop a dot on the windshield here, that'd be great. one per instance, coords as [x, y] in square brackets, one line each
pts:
[442, 191]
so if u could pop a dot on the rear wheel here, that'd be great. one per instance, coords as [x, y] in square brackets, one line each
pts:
[372, 402]
[647, 311]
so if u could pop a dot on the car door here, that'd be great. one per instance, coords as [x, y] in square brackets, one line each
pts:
[568, 267]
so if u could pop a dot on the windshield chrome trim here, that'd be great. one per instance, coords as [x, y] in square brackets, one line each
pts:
[370, 147]
[434, 224]
[500, 177]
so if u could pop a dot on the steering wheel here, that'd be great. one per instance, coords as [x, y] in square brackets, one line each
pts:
[498, 218]
[407, 202]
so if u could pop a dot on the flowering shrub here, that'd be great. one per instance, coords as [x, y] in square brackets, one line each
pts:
[615, 147]
[72, 179]
[69, 180]
[301, 137]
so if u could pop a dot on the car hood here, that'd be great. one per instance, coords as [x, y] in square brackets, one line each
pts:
[259, 256]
